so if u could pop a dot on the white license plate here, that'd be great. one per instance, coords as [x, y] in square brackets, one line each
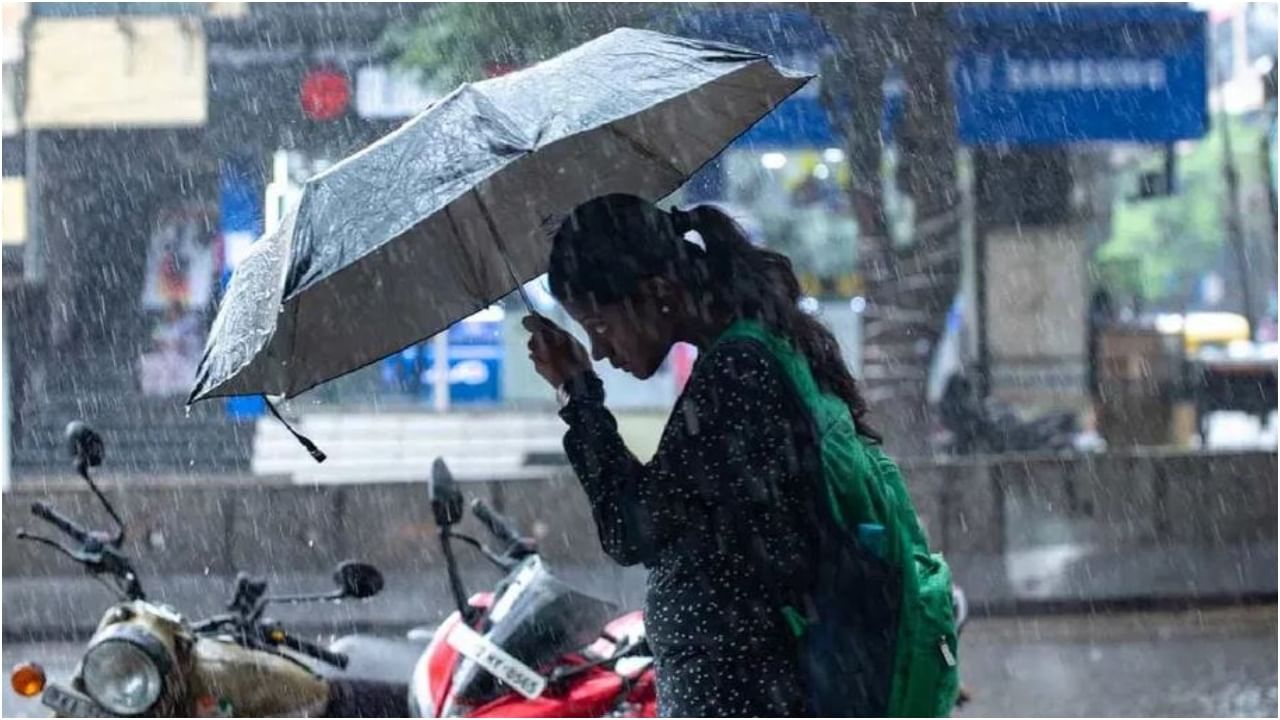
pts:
[70, 704]
[489, 656]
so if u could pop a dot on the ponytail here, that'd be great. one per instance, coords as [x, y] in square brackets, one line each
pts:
[752, 282]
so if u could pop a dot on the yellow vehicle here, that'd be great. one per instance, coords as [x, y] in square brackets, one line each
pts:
[1205, 329]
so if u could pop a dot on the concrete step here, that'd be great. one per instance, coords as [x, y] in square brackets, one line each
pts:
[220, 447]
[373, 470]
[113, 408]
[39, 464]
[141, 433]
[452, 424]
[402, 446]
[271, 444]
[116, 436]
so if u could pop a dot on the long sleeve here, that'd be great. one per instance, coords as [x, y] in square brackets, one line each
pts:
[611, 476]
[722, 518]
[727, 472]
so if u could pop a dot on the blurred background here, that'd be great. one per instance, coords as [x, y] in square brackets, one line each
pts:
[1044, 234]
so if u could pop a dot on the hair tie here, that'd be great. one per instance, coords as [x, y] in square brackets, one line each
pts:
[680, 220]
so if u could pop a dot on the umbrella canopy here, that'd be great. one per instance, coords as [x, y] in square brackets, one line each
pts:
[448, 213]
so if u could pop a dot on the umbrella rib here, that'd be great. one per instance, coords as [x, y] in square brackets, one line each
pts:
[502, 250]
[645, 151]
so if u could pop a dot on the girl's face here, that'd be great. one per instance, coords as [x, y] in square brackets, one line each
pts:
[634, 335]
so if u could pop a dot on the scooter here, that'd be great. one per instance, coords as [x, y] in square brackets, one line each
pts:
[533, 647]
[975, 426]
[146, 660]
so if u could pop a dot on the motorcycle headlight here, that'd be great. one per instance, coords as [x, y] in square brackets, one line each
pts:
[125, 671]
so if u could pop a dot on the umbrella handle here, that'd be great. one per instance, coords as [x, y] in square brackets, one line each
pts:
[524, 296]
[502, 250]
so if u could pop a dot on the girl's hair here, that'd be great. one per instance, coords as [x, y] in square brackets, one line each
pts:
[608, 245]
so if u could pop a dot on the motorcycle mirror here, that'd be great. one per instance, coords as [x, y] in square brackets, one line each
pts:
[87, 448]
[446, 500]
[85, 445]
[358, 580]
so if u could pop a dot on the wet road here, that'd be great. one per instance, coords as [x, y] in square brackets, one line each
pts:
[1210, 663]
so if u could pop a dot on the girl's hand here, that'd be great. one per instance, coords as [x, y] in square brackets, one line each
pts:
[557, 355]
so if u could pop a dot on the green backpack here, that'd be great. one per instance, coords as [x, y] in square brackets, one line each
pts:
[877, 632]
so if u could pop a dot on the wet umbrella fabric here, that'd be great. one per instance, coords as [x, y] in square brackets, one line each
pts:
[443, 216]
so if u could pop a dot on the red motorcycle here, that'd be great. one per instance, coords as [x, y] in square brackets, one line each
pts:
[533, 647]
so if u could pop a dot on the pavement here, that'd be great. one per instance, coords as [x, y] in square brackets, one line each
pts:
[1197, 663]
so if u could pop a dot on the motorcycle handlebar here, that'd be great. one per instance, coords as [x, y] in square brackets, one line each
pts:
[305, 647]
[500, 527]
[60, 521]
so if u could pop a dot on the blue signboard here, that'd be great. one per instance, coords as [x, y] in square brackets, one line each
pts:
[1024, 73]
[1053, 74]
[475, 360]
[475, 352]
[797, 41]
[240, 223]
[797, 122]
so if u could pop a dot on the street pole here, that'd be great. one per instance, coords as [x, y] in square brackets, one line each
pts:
[981, 325]
[981, 220]
[1268, 163]
[4, 413]
[440, 374]
[1235, 230]
[1269, 174]
[33, 250]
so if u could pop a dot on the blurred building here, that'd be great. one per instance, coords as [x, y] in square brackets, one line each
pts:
[140, 140]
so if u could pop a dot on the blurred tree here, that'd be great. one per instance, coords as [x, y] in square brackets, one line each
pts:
[909, 284]
[461, 42]
[1180, 237]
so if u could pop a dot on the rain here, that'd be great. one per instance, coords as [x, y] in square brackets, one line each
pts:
[636, 359]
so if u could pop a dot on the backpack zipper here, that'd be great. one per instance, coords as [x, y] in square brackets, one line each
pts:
[947, 655]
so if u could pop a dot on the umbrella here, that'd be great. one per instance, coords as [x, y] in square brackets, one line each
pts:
[449, 212]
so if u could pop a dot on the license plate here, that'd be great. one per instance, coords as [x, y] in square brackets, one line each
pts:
[489, 656]
[70, 704]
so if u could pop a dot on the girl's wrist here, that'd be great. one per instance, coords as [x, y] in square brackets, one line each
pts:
[582, 385]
